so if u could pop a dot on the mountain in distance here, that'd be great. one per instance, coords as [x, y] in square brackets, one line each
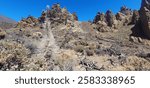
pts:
[6, 22]
[6, 19]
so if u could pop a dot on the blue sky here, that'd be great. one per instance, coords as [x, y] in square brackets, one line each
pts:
[85, 9]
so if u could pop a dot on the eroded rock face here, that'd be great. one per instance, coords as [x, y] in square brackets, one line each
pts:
[55, 14]
[110, 18]
[102, 22]
[120, 16]
[30, 21]
[58, 15]
[146, 3]
[135, 17]
[115, 21]
[145, 17]
[99, 17]
[125, 10]
[75, 16]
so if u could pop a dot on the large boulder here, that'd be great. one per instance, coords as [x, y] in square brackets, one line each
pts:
[145, 17]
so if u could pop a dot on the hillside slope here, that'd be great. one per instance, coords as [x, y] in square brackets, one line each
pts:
[6, 19]
[6, 22]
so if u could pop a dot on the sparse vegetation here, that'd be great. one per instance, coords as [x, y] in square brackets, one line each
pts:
[57, 41]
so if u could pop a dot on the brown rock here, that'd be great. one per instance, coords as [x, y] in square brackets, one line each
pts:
[136, 39]
[125, 10]
[99, 17]
[30, 21]
[89, 52]
[132, 39]
[43, 17]
[135, 17]
[101, 26]
[75, 16]
[110, 18]
[140, 40]
[120, 16]
[145, 3]
[144, 17]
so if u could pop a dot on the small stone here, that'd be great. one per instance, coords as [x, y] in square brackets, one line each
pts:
[140, 40]
[90, 52]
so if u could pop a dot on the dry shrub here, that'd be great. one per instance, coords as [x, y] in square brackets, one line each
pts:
[37, 64]
[2, 34]
[67, 60]
[12, 56]
[135, 63]
[79, 48]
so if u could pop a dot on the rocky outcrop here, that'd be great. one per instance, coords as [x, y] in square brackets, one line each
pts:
[121, 18]
[135, 17]
[114, 21]
[125, 10]
[100, 23]
[58, 15]
[144, 17]
[55, 14]
[105, 22]
[75, 17]
[101, 26]
[145, 3]
[99, 17]
[110, 18]
[128, 13]
[30, 21]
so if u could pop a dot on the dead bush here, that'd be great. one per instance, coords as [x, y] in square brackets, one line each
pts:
[13, 56]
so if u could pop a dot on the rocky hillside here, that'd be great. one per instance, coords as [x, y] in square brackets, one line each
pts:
[57, 41]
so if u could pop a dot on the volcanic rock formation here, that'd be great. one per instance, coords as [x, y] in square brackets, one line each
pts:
[144, 17]
[57, 41]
